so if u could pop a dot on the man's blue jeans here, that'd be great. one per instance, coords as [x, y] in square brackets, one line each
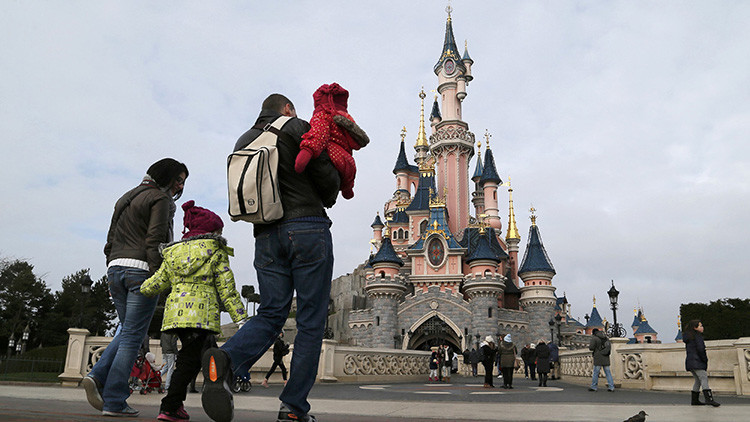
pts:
[135, 311]
[595, 378]
[289, 257]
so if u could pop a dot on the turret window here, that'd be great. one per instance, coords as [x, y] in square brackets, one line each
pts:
[489, 312]
[422, 227]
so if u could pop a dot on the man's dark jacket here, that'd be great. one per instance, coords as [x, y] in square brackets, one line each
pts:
[279, 349]
[305, 194]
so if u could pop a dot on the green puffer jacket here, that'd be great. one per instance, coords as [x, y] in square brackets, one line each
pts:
[198, 271]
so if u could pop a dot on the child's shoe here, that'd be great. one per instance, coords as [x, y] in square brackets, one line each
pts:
[180, 415]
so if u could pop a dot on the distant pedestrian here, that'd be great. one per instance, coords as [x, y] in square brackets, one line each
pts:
[532, 361]
[696, 361]
[601, 348]
[168, 344]
[434, 362]
[554, 358]
[508, 352]
[141, 221]
[489, 351]
[466, 361]
[474, 360]
[525, 358]
[280, 349]
[542, 362]
[447, 363]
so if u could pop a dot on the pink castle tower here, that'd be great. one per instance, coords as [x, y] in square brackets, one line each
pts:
[451, 144]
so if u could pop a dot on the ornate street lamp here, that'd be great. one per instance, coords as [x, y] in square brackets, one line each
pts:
[551, 331]
[616, 330]
[85, 290]
[11, 343]
[25, 338]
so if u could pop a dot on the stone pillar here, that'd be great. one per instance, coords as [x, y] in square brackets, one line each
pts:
[327, 361]
[483, 292]
[76, 358]
[742, 373]
[616, 360]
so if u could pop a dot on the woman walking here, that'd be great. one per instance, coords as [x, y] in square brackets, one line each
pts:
[508, 352]
[142, 220]
[696, 362]
[488, 360]
[542, 362]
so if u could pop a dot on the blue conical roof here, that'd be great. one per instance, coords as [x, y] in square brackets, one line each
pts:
[470, 241]
[679, 335]
[482, 250]
[478, 170]
[435, 111]
[386, 254]
[535, 256]
[489, 172]
[644, 328]
[378, 222]
[636, 320]
[402, 163]
[450, 50]
[400, 217]
[421, 200]
[595, 320]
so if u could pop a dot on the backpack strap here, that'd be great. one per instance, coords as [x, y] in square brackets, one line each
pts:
[273, 127]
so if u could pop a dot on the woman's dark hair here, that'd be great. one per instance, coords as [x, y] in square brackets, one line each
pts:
[689, 332]
[166, 171]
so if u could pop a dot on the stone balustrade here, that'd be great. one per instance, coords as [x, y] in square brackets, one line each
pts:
[337, 363]
[662, 366]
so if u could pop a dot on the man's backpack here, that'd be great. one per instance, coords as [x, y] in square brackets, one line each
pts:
[252, 178]
[607, 345]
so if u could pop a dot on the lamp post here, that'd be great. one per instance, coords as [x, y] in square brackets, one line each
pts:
[558, 322]
[85, 289]
[11, 343]
[616, 330]
[477, 336]
[551, 331]
[25, 338]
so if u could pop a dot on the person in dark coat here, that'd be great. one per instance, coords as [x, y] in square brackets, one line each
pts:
[554, 359]
[474, 360]
[696, 361]
[280, 349]
[525, 359]
[433, 366]
[508, 352]
[532, 361]
[542, 362]
[488, 351]
[600, 349]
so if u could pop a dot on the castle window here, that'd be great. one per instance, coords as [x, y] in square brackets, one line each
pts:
[406, 234]
[487, 273]
[377, 320]
[422, 227]
[489, 312]
[382, 274]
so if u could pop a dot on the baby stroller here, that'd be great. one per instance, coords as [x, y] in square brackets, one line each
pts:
[144, 377]
[242, 381]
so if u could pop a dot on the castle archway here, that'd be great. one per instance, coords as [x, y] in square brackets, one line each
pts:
[433, 331]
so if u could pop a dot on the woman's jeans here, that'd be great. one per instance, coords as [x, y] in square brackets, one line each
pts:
[701, 380]
[289, 257]
[135, 311]
[595, 377]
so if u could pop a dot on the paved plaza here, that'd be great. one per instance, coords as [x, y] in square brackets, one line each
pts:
[463, 400]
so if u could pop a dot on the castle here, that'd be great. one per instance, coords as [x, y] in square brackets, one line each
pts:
[442, 272]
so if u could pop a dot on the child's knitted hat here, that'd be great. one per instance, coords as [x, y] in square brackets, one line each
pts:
[199, 220]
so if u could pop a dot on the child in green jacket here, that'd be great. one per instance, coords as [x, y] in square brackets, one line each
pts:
[197, 270]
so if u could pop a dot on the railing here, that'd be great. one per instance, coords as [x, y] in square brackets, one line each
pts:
[662, 366]
[19, 368]
[337, 363]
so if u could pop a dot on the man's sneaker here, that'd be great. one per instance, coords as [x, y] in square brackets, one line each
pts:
[180, 415]
[216, 394]
[127, 412]
[93, 393]
[286, 415]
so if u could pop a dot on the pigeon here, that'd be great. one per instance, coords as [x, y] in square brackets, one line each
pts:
[639, 417]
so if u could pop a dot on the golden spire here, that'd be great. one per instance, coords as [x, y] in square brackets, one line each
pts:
[533, 220]
[421, 137]
[403, 133]
[479, 150]
[512, 228]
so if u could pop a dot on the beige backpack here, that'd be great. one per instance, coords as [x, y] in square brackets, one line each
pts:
[252, 178]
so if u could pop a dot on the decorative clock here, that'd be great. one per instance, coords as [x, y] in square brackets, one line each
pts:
[450, 66]
[436, 252]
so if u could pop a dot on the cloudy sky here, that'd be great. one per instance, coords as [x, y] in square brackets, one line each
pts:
[625, 124]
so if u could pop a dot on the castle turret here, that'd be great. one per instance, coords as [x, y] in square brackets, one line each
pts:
[645, 333]
[385, 289]
[484, 284]
[512, 238]
[435, 116]
[489, 182]
[377, 229]
[477, 197]
[636, 319]
[451, 144]
[595, 320]
[537, 294]
[467, 61]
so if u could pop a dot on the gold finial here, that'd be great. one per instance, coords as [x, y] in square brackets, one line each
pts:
[594, 301]
[421, 136]
[679, 321]
[487, 136]
[449, 9]
[512, 227]
[403, 133]
[466, 44]
[533, 216]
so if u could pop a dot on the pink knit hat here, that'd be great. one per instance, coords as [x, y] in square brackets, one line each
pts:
[199, 220]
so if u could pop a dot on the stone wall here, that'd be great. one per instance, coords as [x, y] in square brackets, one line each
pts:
[539, 315]
[347, 294]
